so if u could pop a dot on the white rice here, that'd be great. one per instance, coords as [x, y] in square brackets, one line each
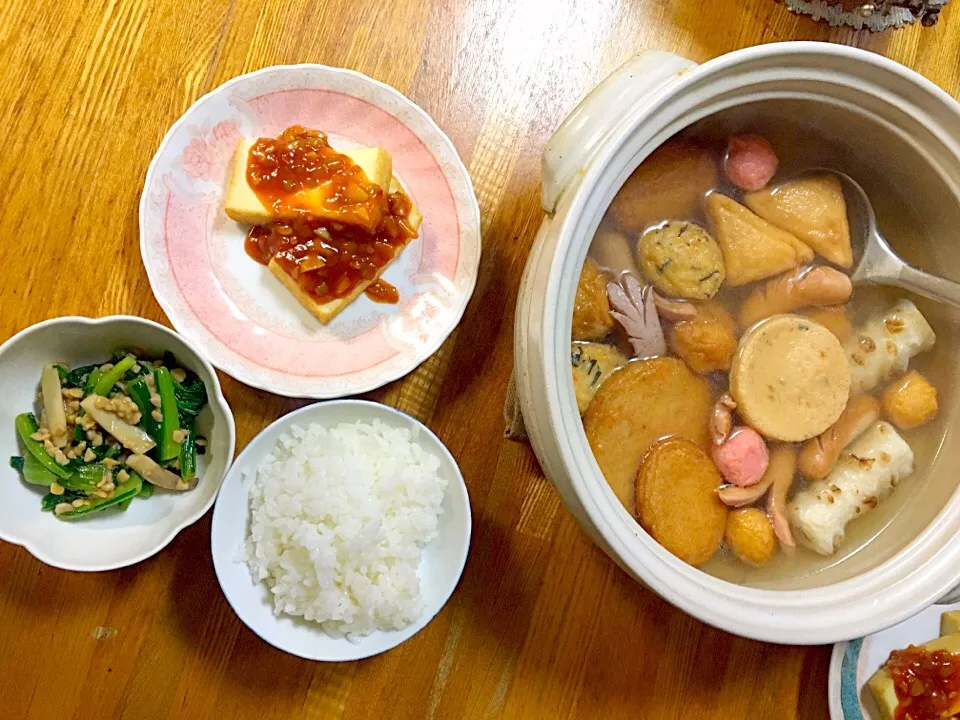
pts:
[338, 519]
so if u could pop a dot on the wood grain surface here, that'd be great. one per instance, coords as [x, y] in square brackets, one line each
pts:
[542, 625]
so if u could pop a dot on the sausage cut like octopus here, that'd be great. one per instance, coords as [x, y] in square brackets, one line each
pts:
[740, 454]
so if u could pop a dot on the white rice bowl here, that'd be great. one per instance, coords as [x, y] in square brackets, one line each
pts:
[338, 521]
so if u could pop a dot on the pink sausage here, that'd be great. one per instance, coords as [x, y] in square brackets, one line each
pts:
[750, 162]
[742, 458]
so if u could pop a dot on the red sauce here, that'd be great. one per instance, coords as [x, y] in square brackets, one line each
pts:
[927, 682]
[283, 171]
[329, 260]
[383, 292]
[351, 231]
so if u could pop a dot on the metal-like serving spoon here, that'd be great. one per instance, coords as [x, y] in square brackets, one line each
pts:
[878, 263]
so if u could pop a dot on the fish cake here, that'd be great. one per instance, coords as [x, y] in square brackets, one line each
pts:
[750, 536]
[682, 260]
[592, 363]
[677, 499]
[789, 378]
[668, 185]
[591, 308]
[643, 401]
[708, 341]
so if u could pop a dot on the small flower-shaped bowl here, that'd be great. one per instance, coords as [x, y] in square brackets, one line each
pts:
[109, 539]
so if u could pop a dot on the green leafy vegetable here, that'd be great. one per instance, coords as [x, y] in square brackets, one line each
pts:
[188, 454]
[107, 380]
[167, 448]
[16, 462]
[26, 425]
[36, 473]
[191, 397]
[50, 501]
[85, 477]
[78, 435]
[146, 489]
[125, 491]
[92, 379]
[140, 394]
[76, 377]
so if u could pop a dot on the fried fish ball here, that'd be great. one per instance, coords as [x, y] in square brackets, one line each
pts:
[708, 341]
[591, 308]
[749, 536]
[682, 260]
[677, 500]
[639, 403]
[910, 401]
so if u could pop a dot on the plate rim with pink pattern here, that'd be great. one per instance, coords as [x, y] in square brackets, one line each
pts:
[239, 316]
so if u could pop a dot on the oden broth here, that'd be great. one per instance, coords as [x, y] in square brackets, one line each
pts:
[801, 145]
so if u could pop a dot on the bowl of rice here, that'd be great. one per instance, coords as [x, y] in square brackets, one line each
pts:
[341, 530]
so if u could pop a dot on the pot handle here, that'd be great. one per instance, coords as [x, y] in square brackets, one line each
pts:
[584, 130]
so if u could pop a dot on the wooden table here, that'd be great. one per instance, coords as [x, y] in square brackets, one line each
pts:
[542, 625]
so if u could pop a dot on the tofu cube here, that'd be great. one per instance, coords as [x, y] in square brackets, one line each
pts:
[242, 204]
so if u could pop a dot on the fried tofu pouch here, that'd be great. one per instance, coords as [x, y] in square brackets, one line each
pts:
[753, 249]
[640, 403]
[811, 208]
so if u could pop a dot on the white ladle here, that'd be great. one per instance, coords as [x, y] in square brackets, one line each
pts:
[878, 263]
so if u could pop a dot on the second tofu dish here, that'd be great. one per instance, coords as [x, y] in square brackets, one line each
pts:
[743, 401]
[327, 223]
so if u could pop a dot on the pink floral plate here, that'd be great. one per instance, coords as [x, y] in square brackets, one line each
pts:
[233, 309]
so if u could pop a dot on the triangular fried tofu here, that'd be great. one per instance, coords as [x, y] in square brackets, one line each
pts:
[813, 209]
[753, 249]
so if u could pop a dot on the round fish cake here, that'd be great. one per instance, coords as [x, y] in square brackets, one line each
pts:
[682, 260]
[790, 378]
[677, 501]
[591, 308]
[641, 402]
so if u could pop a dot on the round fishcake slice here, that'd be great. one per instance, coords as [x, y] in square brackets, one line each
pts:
[677, 501]
[790, 378]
